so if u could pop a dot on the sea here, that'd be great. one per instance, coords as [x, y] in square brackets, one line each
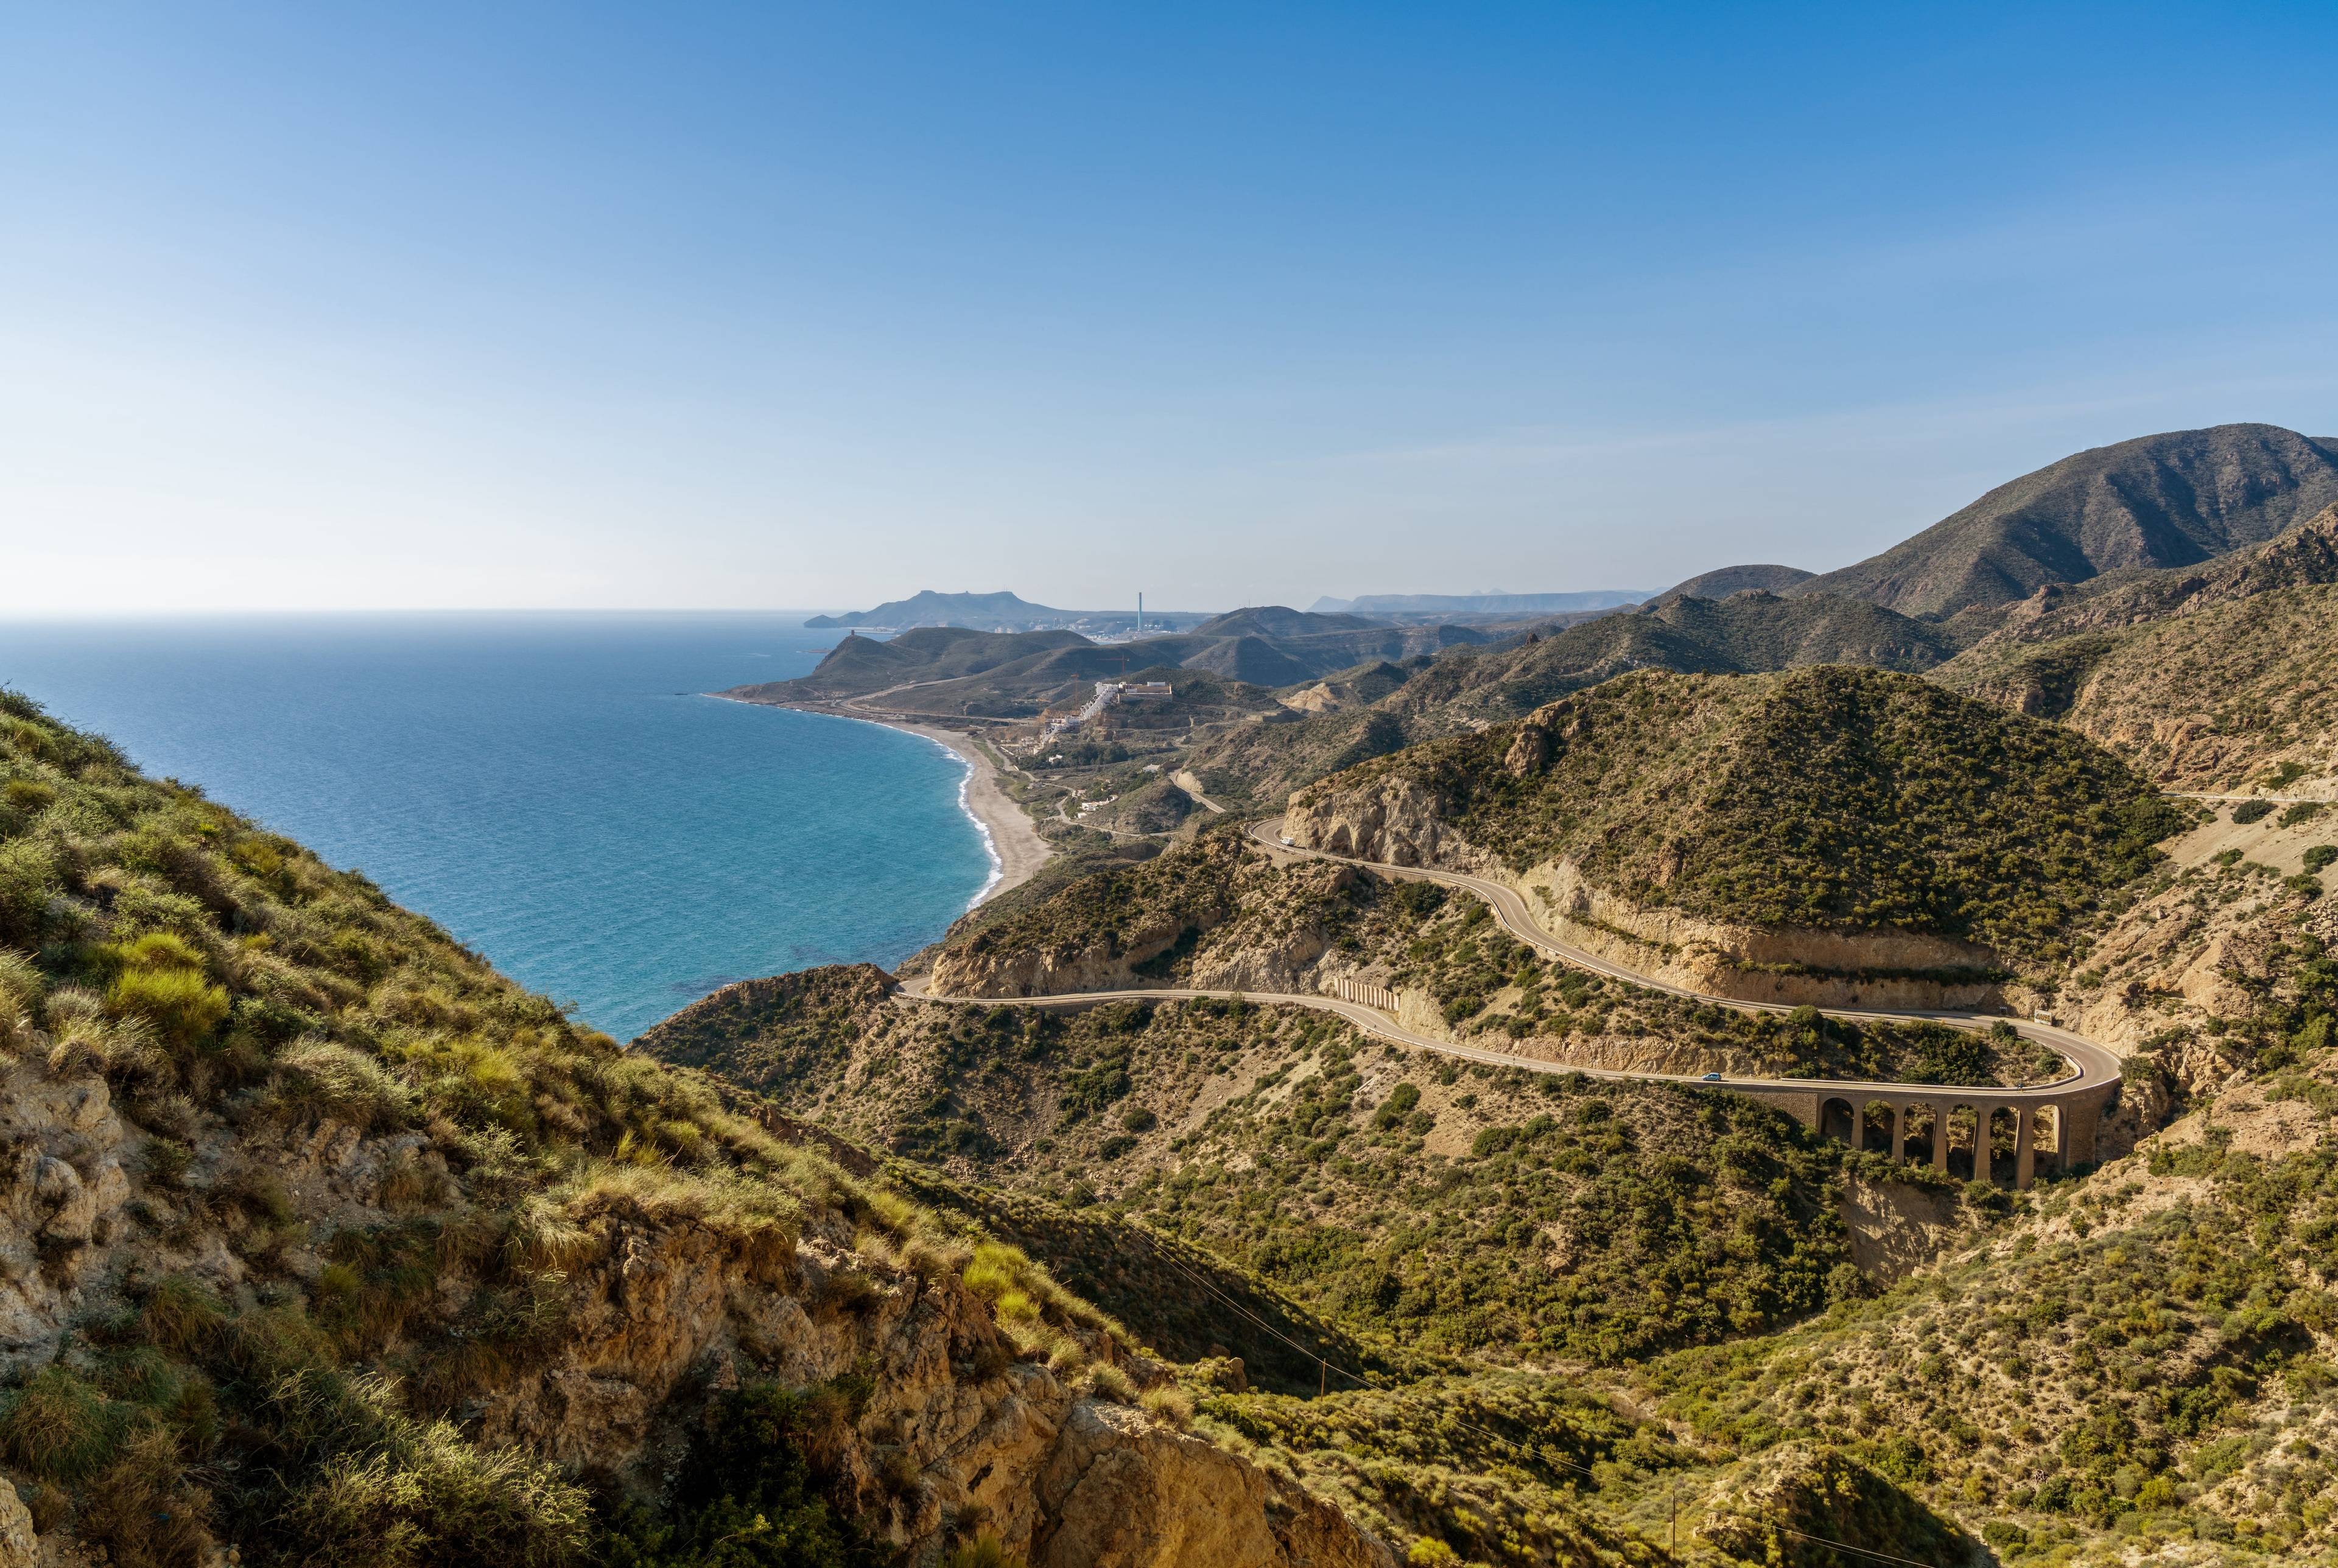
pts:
[555, 789]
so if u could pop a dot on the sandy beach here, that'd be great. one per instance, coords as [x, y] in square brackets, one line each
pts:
[1014, 837]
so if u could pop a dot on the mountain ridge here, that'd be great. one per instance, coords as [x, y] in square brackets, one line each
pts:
[2173, 499]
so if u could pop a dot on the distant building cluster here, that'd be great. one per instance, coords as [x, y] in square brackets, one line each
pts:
[1109, 694]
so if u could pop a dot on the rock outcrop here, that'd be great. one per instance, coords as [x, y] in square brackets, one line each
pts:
[954, 1427]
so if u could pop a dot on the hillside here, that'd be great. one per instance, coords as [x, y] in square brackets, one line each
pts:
[328, 1243]
[1216, 1123]
[1830, 800]
[1729, 1325]
[1463, 689]
[2158, 501]
[2220, 678]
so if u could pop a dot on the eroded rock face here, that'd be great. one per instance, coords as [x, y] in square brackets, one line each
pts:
[1394, 820]
[1124, 1494]
[1100, 966]
[19, 1547]
[61, 1190]
[954, 1427]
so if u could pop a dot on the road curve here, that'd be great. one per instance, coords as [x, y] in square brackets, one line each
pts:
[2094, 1067]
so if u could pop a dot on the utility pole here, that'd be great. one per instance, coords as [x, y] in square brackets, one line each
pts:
[1672, 1526]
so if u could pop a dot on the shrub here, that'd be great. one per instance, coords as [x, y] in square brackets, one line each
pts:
[179, 1315]
[183, 1007]
[2249, 811]
[427, 1498]
[28, 872]
[1109, 1382]
[60, 1428]
[1169, 1405]
[318, 1078]
[1397, 1106]
[144, 1507]
[749, 1494]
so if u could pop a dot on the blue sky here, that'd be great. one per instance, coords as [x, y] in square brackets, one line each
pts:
[779, 305]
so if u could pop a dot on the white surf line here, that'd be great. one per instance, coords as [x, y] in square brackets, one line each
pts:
[966, 804]
[965, 781]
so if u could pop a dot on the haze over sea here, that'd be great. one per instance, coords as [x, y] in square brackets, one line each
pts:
[550, 787]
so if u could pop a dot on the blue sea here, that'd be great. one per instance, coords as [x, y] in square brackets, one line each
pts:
[552, 788]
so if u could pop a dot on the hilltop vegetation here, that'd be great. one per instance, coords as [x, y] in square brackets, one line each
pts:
[1218, 914]
[1832, 798]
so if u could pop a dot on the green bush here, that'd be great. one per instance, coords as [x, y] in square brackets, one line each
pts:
[748, 1496]
[61, 1428]
[184, 1008]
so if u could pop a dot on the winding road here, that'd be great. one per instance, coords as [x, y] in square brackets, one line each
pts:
[2093, 1075]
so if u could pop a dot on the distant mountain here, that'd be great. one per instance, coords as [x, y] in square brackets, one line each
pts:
[2159, 501]
[955, 670]
[1280, 620]
[978, 611]
[1730, 579]
[999, 612]
[1479, 603]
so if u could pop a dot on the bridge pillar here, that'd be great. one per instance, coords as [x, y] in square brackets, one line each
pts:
[2025, 1154]
[1940, 1136]
[1899, 1134]
[2079, 1118]
[1983, 1137]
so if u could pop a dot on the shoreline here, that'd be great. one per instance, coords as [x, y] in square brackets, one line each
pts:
[1009, 835]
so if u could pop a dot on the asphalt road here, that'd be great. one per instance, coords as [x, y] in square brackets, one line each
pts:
[2092, 1065]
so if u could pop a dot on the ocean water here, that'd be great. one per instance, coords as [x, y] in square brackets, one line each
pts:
[549, 788]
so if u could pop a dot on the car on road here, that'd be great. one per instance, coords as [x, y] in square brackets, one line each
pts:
[1711, 1078]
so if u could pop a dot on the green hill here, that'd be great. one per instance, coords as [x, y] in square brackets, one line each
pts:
[1830, 798]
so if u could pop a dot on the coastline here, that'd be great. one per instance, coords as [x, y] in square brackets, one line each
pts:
[1017, 851]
